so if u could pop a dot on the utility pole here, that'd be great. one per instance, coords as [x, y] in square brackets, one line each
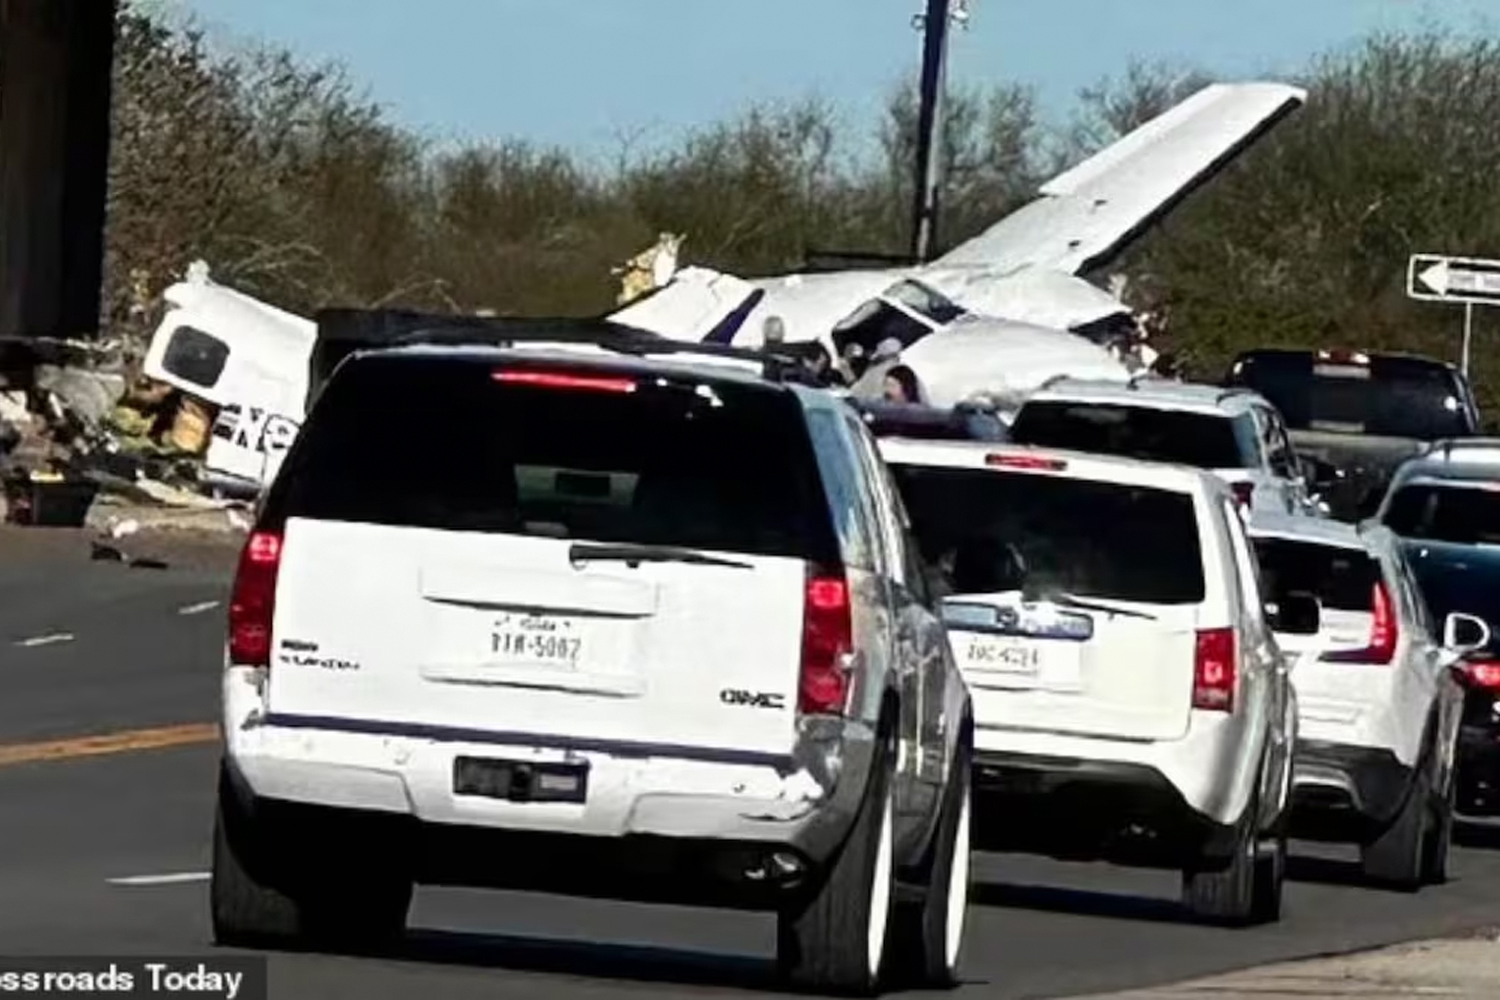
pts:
[934, 26]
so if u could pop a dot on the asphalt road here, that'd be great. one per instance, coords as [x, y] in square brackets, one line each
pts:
[91, 648]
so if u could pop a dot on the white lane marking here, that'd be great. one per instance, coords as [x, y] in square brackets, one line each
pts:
[199, 608]
[46, 640]
[173, 878]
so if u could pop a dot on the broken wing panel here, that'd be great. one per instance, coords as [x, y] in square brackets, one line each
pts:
[979, 357]
[1038, 298]
[1090, 213]
[695, 303]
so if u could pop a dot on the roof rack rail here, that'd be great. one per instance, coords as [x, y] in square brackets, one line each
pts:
[341, 332]
[1233, 391]
[1052, 380]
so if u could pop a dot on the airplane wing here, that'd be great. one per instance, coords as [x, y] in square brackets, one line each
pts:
[1090, 213]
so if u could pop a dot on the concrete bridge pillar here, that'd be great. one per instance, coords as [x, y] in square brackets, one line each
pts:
[55, 61]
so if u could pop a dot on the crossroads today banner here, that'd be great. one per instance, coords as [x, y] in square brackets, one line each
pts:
[212, 978]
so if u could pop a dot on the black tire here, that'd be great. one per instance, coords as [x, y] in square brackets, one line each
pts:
[1247, 890]
[1398, 858]
[257, 901]
[926, 948]
[1440, 834]
[829, 943]
[1270, 880]
[246, 910]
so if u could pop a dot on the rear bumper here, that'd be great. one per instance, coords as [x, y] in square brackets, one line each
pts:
[1342, 792]
[1084, 810]
[400, 784]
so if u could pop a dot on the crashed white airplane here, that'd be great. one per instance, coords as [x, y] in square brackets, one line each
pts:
[992, 317]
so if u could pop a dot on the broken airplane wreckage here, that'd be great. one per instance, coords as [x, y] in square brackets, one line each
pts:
[991, 319]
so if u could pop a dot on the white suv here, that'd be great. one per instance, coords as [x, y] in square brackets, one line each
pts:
[1130, 701]
[1233, 433]
[1379, 702]
[608, 619]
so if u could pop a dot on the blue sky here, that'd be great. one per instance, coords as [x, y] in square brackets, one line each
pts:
[581, 73]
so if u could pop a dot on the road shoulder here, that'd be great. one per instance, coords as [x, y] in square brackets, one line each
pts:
[1458, 969]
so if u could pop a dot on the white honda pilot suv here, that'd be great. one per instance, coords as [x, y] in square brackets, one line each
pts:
[616, 618]
[1130, 700]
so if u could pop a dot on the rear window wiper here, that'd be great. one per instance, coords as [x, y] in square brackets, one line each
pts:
[1069, 601]
[634, 555]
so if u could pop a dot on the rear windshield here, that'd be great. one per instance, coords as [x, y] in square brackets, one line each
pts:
[1201, 440]
[438, 443]
[1387, 397]
[1072, 536]
[1341, 579]
[1466, 515]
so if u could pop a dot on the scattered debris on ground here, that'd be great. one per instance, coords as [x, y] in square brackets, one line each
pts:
[83, 434]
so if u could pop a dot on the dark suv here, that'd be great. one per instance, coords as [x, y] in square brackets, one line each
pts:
[1359, 414]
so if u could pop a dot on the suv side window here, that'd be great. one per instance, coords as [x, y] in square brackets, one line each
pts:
[1279, 446]
[1252, 440]
[849, 503]
[1247, 568]
[1407, 581]
[882, 496]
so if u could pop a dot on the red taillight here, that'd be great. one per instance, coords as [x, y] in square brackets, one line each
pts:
[1384, 633]
[1483, 674]
[1034, 462]
[827, 640]
[563, 380]
[253, 601]
[1243, 493]
[1215, 670]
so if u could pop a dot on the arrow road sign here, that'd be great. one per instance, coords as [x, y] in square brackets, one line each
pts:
[1435, 278]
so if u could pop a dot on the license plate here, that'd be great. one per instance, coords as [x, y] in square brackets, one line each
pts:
[536, 640]
[1051, 664]
[520, 781]
[1007, 656]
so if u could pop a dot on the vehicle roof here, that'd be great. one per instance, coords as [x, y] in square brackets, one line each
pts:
[1079, 465]
[1149, 392]
[745, 372]
[1287, 352]
[1466, 451]
[1296, 527]
[1476, 462]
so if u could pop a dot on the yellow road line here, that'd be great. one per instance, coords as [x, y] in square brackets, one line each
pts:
[109, 743]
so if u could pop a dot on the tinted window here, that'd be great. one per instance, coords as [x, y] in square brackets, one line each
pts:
[1391, 397]
[1342, 579]
[1202, 440]
[195, 356]
[440, 444]
[925, 423]
[1467, 515]
[1073, 536]
[1459, 579]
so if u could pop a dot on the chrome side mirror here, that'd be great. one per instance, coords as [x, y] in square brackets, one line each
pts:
[1463, 634]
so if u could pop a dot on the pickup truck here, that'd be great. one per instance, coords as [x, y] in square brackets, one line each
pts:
[1355, 416]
